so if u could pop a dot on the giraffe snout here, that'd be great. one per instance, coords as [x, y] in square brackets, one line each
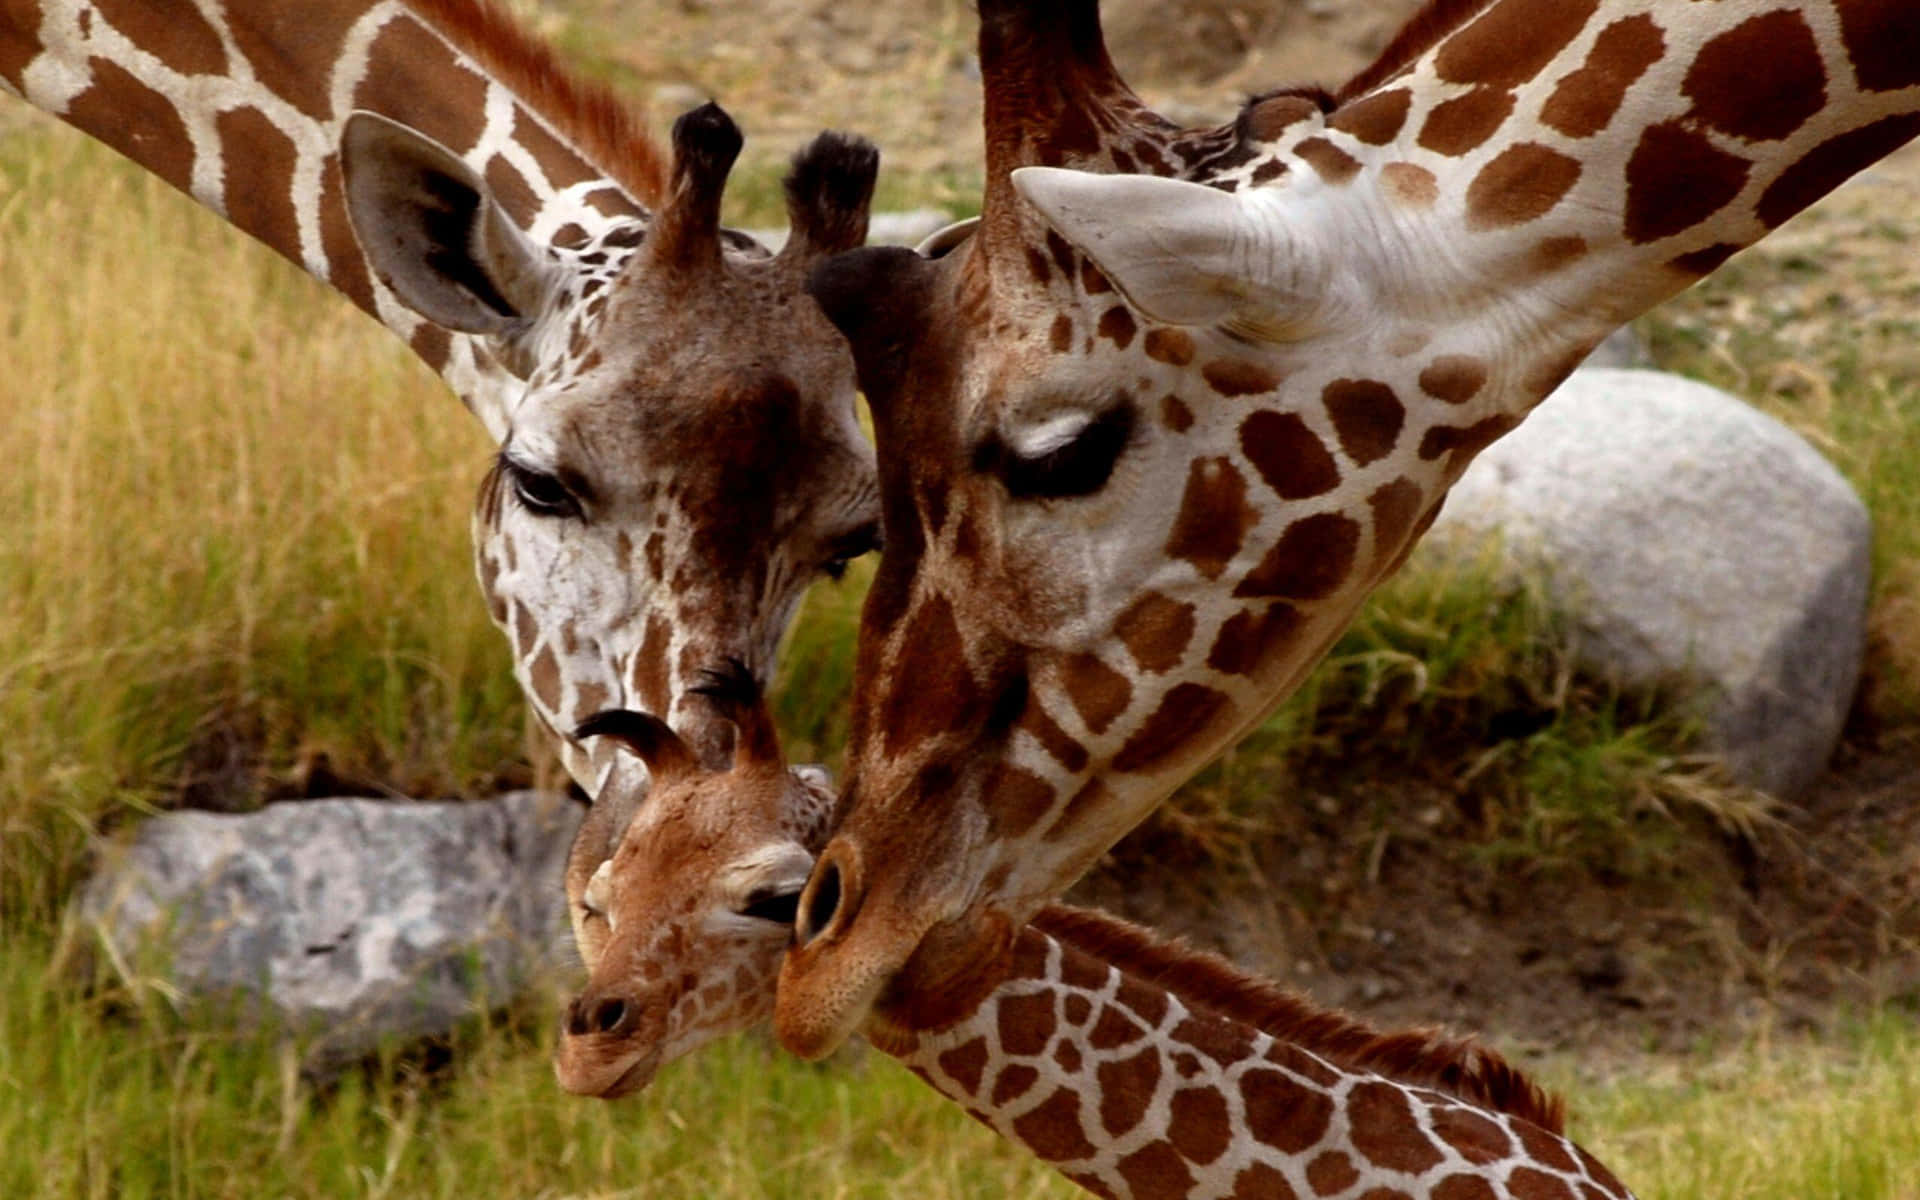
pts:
[608, 1045]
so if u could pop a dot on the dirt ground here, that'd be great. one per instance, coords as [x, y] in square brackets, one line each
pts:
[1367, 897]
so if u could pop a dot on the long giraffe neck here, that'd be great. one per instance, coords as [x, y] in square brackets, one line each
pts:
[241, 105]
[1141, 1069]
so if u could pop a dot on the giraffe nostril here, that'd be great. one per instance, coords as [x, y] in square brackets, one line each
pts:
[610, 1015]
[576, 1017]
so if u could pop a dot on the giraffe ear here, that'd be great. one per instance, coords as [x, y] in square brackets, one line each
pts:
[1183, 253]
[434, 234]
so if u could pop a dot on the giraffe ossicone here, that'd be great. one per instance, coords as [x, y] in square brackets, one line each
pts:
[1284, 339]
[679, 454]
[1134, 1066]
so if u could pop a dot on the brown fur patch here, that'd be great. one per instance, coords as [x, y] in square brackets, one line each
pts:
[1126, 1088]
[1015, 801]
[459, 114]
[1832, 163]
[1414, 187]
[1381, 1123]
[1248, 639]
[1238, 377]
[1732, 95]
[1309, 562]
[1512, 41]
[1184, 714]
[1175, 414]
[1367, 416]
[1214, 517]
[1064, 750]
[1166, 344]
[1156, 631]
[1268, 119]
[1676, 179]
[177, 35]
[1882, 43]
[1396, 506]
[1465, 122]
[1331, 1173]
[966, 1064]
[135, 120]
[1454, 378]
[943, 695]
[1522, 183]
[1584, 102]
[1331, 162]
[1456, 1066]
[1156, 1169]
[1098, 692]
[1467, 440]
[1117, 326]
[1051, 1129]
[1376, 119]
[1290, 457]
[1551, 254]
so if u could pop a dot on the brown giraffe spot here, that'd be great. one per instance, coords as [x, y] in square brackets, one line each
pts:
[1092, 281]
[525, 632]
[1186, 1064]
[650, 665]
[458, 115]
[1113, 1030]
[1467, 441]
[1199, 1125]
[1832, 163]
[1885, 54]
[1463, 123]
[1583, 103]
[1454, 378]
[1062, 254]
[656, 554]
[906, 717]
[1395, 507]
[1214, 517]
[302, 76]
[1413, 187]
[1126, 1089]
[1331, 1173]
[1156, 1170]
[1060, 337]
[1270, 118]
[1147, 1003]
[1093, 798]
[1067, 1055]
[1052, 1128]
[562, 167]
[1079, 970]
[1551, 254]
[137, 121]
[510, 188]
[1477, 1139]
[1017, 799]
[1184, 714]
[1091, 1183]
[1528, 1184]
[593, 698]
[1248, 639]
[1026, 1023]
[1284, 1113]
[1175, 414]
[1367, 416]
[1383, 1129]
[1262, 1182]
[1544, 1148]
[1238, 377]
[1303, 1064]
[1117, 326]
[1077, 1009]
[1759, 105]
[1676, 179]
[181, 39]
[1038, 266]
[1013, 1082]
[1309, 562]
[1099, 693]
[1522, 183]
[1225, 1043]
[1512, 41]
[1374, 119]
[1267, 172]
[544, 676]
[1464, 1187]
[489, 587]
[1063, 749]
[1329, 161]
[1704, 262]
[1168, 345]
[1155, 631]
[1289, 456]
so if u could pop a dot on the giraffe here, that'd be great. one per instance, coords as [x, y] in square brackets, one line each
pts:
[1185, 397]
[678, 452]
[1135, 1066]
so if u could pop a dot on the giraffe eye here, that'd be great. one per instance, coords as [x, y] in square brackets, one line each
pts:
[542, 494]
[782, 908]
[849, 546]
[1062, 464]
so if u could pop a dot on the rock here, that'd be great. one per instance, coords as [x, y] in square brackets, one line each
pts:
[905, 228]
[347, 921]
[1692, 537]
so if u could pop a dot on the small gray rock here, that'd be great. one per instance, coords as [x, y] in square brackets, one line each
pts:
[1692, 537]
[345, 920]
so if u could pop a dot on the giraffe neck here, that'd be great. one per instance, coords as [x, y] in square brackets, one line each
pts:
[241, 106]
[1138, 1068]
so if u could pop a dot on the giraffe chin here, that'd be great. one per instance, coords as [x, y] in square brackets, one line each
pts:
[578, 1074]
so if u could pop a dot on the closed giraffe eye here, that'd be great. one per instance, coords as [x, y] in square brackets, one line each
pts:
[540, 493]
[781, 907]
[849, 546]
[1063, 462]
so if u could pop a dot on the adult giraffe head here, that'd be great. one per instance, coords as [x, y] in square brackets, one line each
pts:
[1184, 399]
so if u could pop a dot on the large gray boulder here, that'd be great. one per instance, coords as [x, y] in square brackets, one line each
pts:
[346, 920]
[1690, 536]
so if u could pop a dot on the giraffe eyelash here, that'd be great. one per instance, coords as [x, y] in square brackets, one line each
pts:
[1078, 466]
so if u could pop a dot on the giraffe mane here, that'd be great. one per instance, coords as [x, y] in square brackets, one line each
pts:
[602, 126]
[1422, 32]
[1458, 1066]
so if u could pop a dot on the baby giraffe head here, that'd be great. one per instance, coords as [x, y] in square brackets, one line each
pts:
[684, 926]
